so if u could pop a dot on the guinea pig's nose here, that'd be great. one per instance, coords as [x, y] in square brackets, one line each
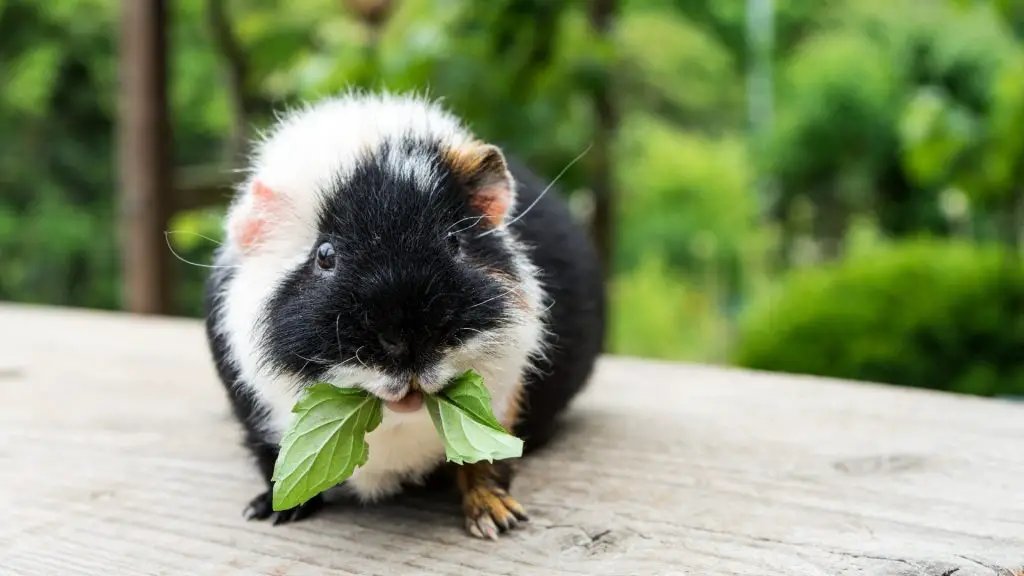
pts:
[392, 346]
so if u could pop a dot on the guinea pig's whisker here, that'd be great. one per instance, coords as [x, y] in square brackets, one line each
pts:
[359, 360]
[203, 236]
[492, 298]
[485, 339]
[337, 330]
[541, 195]
[349, 360]
[167, 240]
[308, 361]
[476, 220]
[457, 222]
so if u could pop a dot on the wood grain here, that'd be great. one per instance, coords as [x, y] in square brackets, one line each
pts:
[117, 457]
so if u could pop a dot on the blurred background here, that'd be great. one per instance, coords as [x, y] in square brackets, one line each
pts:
[830, 187]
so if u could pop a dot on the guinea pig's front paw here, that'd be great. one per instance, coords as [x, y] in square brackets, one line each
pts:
[261, 508]
[488, 508]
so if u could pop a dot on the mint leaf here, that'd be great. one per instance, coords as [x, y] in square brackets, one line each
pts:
[468, 429]
[467, 392]
[325, 442]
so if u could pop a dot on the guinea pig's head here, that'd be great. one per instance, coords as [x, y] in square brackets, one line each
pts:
[394, 269]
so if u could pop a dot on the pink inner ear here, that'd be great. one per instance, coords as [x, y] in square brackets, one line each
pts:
[251, 223]
[493, 202]
[249, 231]
[262, 194]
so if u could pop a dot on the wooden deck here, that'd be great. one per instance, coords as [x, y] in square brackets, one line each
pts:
[117, 457]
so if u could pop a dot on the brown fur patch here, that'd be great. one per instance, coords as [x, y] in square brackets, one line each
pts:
[481, 168]
[510, 283]
[492, 202]
[515, 407]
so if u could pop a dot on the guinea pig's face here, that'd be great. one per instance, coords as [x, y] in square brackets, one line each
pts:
[408, 276]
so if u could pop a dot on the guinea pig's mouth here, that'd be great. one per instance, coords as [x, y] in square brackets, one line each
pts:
[410, 401]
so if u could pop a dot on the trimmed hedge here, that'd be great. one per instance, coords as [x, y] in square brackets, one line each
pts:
[925, 313]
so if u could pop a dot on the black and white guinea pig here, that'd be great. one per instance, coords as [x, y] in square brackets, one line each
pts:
[377, 242]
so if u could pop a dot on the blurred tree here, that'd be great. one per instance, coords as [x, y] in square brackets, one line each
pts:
[726, 20]
[900, 116]
[56, 114]
[871, 77]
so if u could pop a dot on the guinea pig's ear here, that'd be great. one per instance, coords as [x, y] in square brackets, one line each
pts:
[248, 220]
[483, 172]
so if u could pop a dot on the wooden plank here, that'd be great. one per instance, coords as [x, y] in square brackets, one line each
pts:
[117, 457]
[144, 137]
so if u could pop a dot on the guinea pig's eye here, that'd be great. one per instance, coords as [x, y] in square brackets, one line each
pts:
[325, 259]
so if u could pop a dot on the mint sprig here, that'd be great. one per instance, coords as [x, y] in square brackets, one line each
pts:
[325, 442]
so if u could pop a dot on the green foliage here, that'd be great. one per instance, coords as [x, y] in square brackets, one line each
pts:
[886, 104]
[726, 20]
[53, 236]
[932, 314]
[57, 240]
[686, 197]
[836, 117]
[689, 80]
[891, 119]
[656, 314]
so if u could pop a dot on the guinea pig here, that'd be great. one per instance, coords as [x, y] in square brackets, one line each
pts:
[376, 242]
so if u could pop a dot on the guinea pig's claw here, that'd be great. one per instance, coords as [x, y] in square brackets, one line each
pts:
[482, 526]
[261, 508]
[489, 509]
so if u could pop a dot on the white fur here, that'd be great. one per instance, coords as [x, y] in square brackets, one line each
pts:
[308, 147]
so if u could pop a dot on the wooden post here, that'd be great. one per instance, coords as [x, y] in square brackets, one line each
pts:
[145, 174]
[602, 15]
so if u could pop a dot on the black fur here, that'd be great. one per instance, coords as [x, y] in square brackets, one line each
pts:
[570, 273]
[401, 290]
[247, 411]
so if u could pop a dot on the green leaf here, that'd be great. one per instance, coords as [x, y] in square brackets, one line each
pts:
[463, 418]
[325, 443]
[467, 392]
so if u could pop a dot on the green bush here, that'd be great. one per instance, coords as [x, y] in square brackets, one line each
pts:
[925, 313]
